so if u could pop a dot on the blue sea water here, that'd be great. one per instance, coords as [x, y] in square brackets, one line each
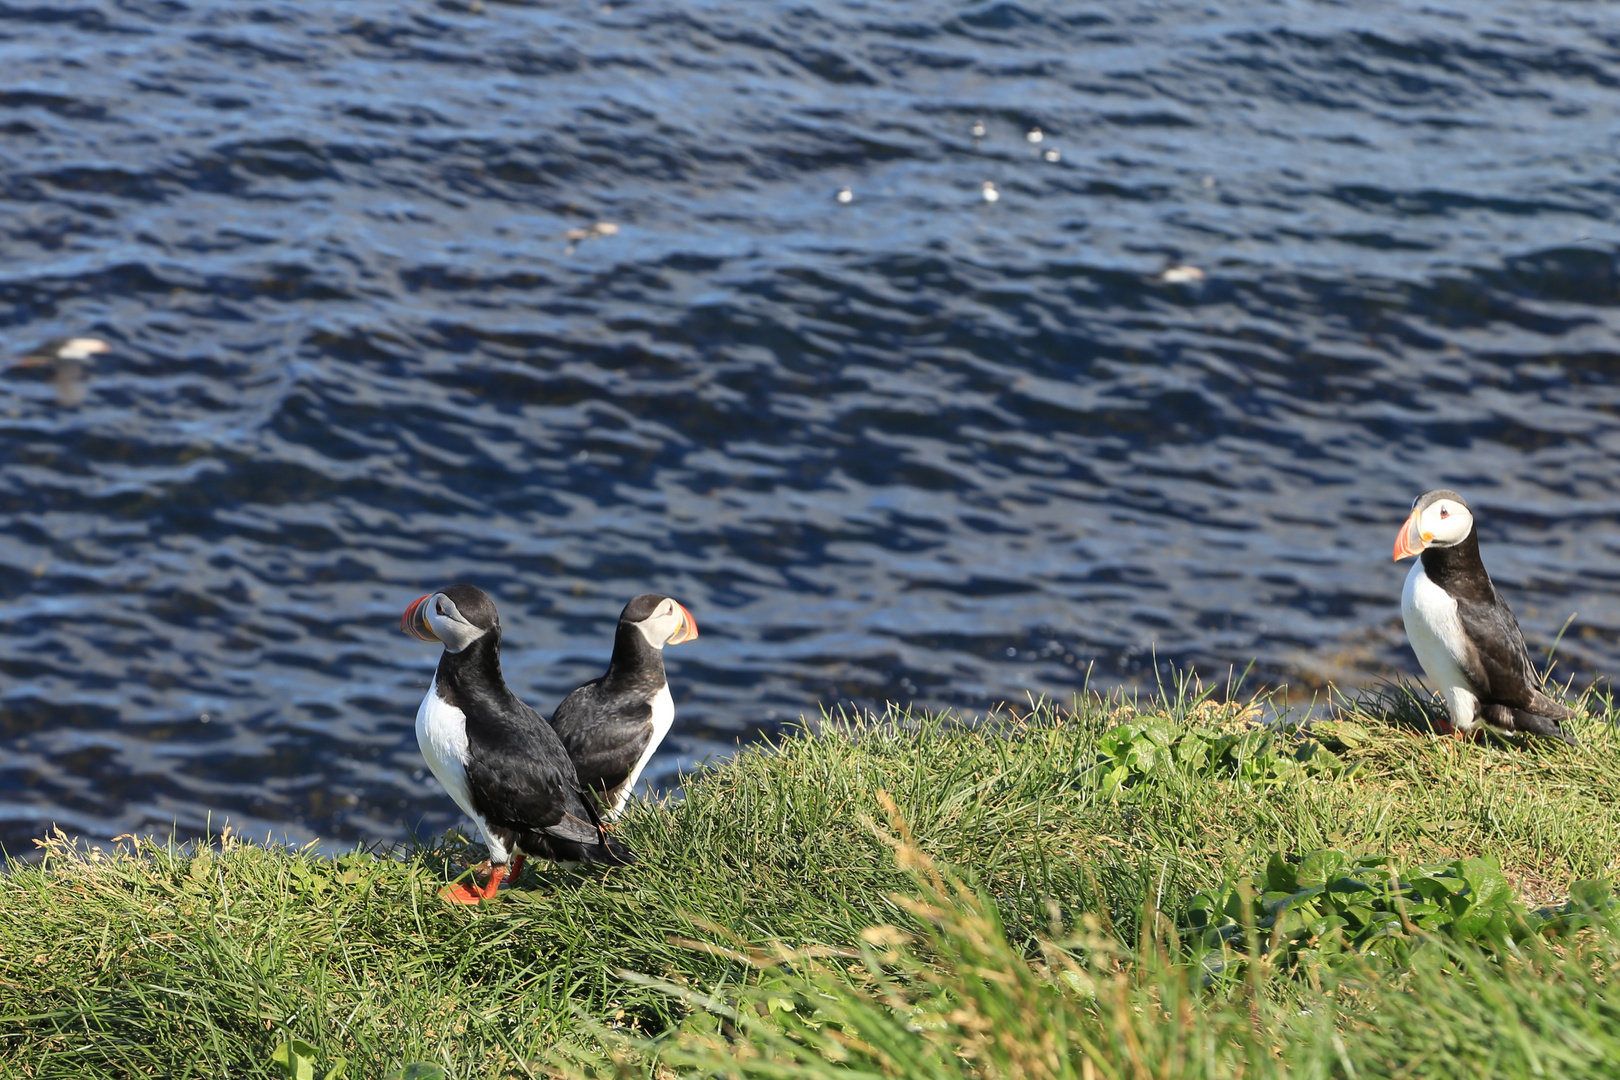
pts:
[560, 299]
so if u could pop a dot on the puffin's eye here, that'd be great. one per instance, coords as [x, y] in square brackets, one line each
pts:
[1444, 513]
[438, 608]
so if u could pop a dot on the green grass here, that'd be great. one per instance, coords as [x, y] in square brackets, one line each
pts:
[1024, 903]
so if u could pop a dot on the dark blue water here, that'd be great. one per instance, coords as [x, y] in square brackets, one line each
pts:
[916, 446]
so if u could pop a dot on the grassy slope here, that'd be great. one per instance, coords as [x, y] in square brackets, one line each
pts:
[179, 964]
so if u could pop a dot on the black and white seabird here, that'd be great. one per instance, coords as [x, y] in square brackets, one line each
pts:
[1462, 631]
[498, 758]
[69, 360]
[612, 725]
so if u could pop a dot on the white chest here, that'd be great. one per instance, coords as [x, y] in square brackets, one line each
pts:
[1437, 637]
[663, 718]
[441, 732]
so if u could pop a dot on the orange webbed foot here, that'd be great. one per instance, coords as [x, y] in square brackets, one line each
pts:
[461, 893]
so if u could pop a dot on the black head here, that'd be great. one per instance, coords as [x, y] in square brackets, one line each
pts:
[457, 615]
[662, 621]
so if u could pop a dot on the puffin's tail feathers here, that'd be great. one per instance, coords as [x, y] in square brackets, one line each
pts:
[606, 850]
[1507, 720]
[1537, 724]
[1549, 706]
[612, 851]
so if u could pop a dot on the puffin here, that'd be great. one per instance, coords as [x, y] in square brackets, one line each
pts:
[495, 756]
[1463, 632]
[612, 724]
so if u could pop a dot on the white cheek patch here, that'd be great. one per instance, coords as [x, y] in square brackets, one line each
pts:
[658, 628]
[1449, 529]
[455, 635]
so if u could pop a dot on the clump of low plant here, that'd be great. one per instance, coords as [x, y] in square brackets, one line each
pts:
[1319, 907]
[1252, 755]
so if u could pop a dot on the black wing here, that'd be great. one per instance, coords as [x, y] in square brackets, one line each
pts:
[1499, 663]
[605, 737]
[522, 780]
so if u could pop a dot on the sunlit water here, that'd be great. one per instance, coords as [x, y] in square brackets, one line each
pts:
[910, 446]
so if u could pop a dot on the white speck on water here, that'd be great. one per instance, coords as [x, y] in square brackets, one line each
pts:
[1180, 275]
[1208, 181]
[1035, 135]
[978, 129]
[1053, 155]
[594, 231]
[845, 195]
[1011, 651]
[989, 192]
[82, 348]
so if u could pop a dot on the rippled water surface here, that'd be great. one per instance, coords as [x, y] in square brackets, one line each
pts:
[368, 340]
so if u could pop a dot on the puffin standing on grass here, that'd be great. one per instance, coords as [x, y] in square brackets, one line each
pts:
[498, 758]
[612, 725]
[1462, 631]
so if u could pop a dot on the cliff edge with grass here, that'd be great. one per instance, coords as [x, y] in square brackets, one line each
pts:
[1105, 890]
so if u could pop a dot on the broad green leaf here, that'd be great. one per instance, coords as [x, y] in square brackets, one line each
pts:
[1320, 867]
[1347, 886]
[1280, 876]
[296, 1058]
[1485, 881]
[1271, 901]
[1144, 757]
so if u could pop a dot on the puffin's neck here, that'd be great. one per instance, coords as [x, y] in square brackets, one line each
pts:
[1458, 569]
[474, 672]
[635, 662]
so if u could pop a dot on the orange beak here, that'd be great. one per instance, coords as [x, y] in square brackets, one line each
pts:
[1410, 540]
[688, 628]
[414, 621]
